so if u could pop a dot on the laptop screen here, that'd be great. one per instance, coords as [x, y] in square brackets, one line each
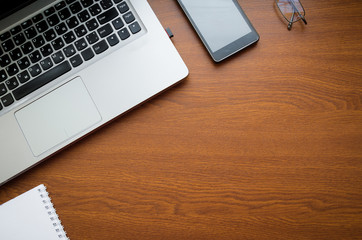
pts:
[12, 6]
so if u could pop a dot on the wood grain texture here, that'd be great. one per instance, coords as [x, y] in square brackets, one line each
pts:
[266, 145]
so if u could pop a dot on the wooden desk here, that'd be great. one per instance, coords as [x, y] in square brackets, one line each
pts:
[266, 145]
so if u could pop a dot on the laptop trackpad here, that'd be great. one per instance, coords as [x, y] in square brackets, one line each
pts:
[58, 116]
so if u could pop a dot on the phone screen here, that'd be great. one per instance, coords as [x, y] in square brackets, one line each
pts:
[216, 20]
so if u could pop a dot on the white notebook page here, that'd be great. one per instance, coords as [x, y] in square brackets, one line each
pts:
[30, 216]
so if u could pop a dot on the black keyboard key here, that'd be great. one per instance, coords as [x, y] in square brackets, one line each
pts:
[3, 75]
[95, 9]
[76, 60]
[80, 31]
[35, 56]
[41, 80]
[15, 30]
[16, 54]
[100, 47]
[61, 28]
[64, 13]
[107, 15]
[37, 18]
[69, 50]
[86, 3]
[49, 11]
[123, 7]
[50, 35]
[38, 41]
[46, 50]
[75, 7]
[135, 27]
[5, 36]
[72, 22]
[41, 26]
[87, 54]
[92, 37]
[106, 4]
[69, 37]
[23, 63]
[23, 76]
[118, 23]
[8, 45]
[12, 69]
[80, 44]
[128, 17]
[46, 63]
[3, 89]
[60, 5]
[58, 43]
[34, 70]
[7, 100]
[30, 32]
[83, 16]
[12, 83]
[123, 34]
[58, 57]
[91, 24]
[27, 47]
[1, 51]
[105, 30]
[4, 60]
[26, 24]
[53, 20]
[19, 39]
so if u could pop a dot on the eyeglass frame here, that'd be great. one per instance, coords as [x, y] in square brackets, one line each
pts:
[295, 10]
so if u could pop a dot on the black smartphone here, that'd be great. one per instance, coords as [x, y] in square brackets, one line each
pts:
[221, 24]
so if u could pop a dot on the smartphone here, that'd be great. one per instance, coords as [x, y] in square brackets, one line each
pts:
[221, 24]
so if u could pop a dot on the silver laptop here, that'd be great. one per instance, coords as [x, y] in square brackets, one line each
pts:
[67, 67]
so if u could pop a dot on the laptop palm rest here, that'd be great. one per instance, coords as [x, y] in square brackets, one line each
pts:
[57, 116]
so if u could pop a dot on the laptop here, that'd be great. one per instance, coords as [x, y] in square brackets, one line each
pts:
[68, 67]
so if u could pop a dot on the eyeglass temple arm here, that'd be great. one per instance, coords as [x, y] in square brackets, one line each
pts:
[291, 21]
[296, 10]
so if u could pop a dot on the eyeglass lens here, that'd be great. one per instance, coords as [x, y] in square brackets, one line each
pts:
[292, 10]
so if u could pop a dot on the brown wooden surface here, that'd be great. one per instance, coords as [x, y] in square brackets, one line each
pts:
[266, 145]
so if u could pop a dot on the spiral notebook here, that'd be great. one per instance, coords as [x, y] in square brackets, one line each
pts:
[31, 215]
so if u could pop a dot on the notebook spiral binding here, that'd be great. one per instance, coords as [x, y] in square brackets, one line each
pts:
[53, 216]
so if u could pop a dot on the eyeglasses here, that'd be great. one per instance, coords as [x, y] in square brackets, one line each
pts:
[292, 11]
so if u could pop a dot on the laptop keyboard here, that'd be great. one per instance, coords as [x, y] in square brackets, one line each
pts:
[57, 40]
